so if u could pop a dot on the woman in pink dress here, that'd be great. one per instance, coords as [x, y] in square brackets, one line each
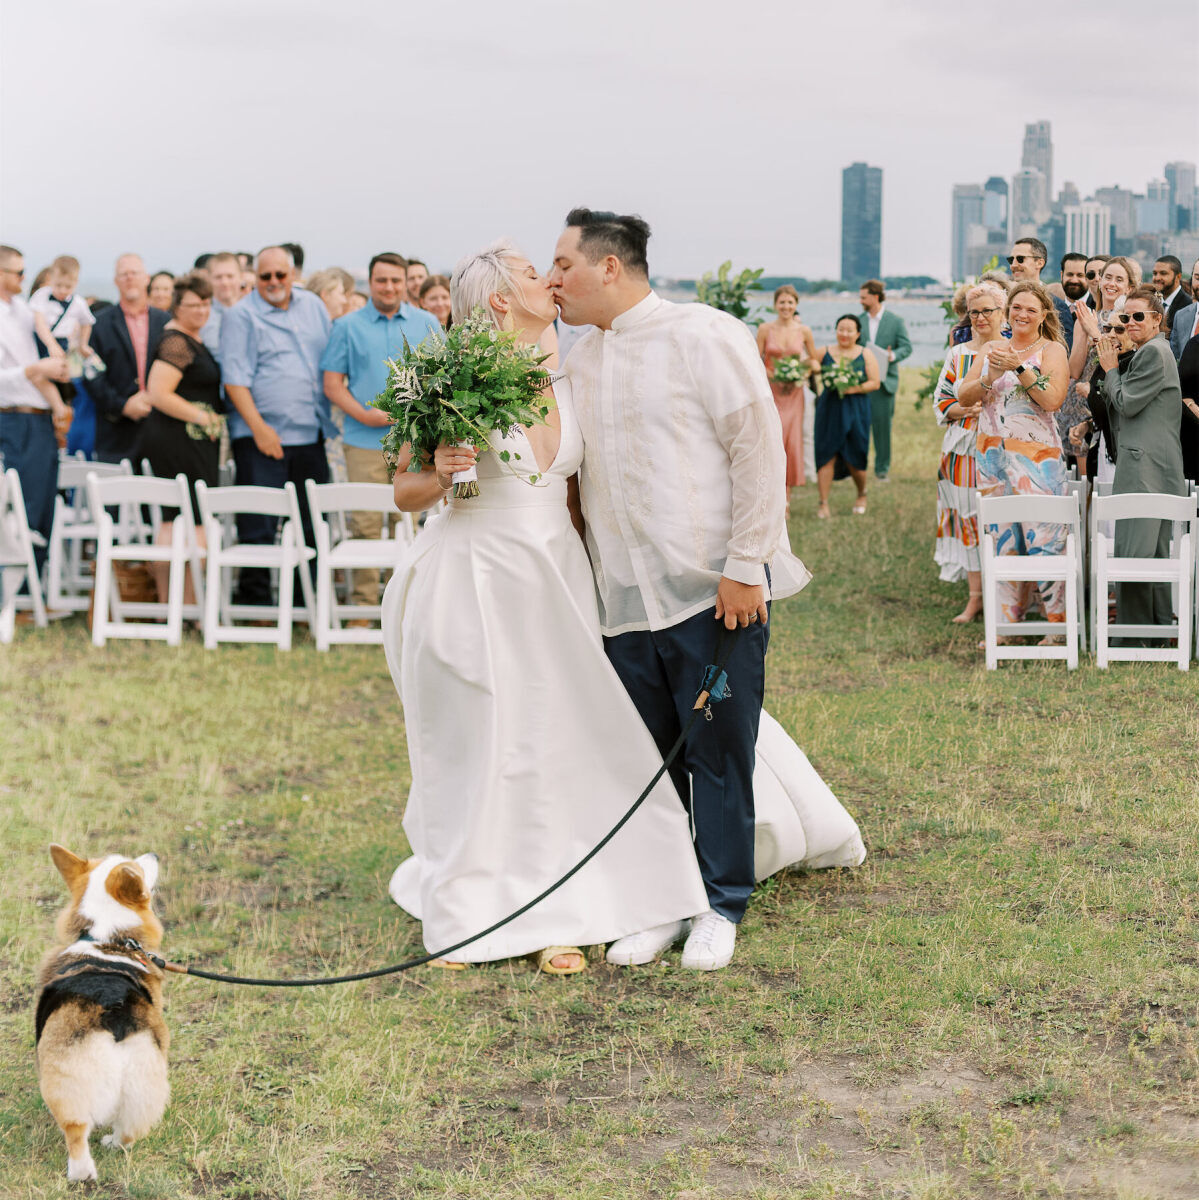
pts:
[782, 338]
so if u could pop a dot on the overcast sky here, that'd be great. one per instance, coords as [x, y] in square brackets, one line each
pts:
[177, 126]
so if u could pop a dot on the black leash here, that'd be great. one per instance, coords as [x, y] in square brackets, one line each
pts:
[713, 687]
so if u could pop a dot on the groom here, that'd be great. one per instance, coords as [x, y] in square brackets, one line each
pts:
[682, 489]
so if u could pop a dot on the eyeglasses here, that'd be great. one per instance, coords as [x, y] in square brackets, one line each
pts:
[1021, 259]
[975, 313]
[1092, 274]
[1125, 317]
[267, 276]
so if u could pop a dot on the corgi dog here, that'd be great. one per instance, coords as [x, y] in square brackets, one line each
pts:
[101, 1038]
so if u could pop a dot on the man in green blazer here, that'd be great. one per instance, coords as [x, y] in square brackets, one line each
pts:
[888, 332]
[1144, 403]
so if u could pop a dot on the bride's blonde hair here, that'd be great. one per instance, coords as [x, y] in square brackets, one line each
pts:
[476, 276]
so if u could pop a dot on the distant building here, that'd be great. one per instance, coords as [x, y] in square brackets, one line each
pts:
[1053, 234]
[1121, 203]
[1088, 227]
[968, 223]
[1037, 152]
[1181, 178]
[995, 203]
[1152, 214]
[1068, 195]
[861, 222]
[1028, 202]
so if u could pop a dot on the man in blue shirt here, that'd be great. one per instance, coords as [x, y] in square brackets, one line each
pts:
[355, 372]
[271, 346]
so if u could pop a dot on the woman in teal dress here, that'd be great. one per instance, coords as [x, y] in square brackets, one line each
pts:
[842, 429]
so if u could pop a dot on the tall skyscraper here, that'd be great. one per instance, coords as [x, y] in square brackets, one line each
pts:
[968, 222]
[1088, 227]
[1028, 203]
[1038, 152]
[1069, 194]
[1122, 205]
[1181, 178]
[995, 201]
[861, 222]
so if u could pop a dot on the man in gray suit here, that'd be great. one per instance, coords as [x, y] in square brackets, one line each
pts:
[886, 331]
[1186, 320]
[1145, 409]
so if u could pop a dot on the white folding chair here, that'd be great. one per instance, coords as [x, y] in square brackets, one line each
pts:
[17, 563]
[68, 582]
[1178, 570]
[1023, 568]
[111, 615]
[284, 556]
[331, 500]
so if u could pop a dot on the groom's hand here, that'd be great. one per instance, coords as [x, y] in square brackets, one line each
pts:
[740, 603]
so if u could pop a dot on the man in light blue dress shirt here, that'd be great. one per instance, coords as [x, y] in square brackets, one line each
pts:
[224, 273]
[271, 347]
[355, 372]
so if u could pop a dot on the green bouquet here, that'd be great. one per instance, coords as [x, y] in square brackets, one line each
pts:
[791, 370]
[459, 388]
[843, 375]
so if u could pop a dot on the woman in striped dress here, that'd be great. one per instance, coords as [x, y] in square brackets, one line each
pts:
[957, 510]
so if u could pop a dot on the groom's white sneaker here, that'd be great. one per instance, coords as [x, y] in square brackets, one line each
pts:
[640, 948]
[711, 943]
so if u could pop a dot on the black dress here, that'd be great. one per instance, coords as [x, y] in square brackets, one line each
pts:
[1188, 377]
[178, 447]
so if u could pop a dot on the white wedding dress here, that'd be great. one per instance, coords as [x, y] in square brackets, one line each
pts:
[525, 748]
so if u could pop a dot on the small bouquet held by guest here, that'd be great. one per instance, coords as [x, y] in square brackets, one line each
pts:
[791, 370]
[459, 389]
[843, 375]
[210, 428]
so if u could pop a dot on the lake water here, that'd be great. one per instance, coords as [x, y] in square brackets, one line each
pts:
[925, 319]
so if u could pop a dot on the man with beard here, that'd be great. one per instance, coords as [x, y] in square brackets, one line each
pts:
[1074, 284]
[1167, 281]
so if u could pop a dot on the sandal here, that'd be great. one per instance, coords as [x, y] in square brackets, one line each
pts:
[859, 507]
[545, 960]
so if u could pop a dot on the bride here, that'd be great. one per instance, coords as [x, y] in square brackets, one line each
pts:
[524, 745]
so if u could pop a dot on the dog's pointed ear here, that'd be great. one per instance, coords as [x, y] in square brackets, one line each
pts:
[149, 866]
[127, 885]
[70, 866]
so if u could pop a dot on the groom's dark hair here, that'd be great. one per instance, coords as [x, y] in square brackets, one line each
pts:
[604, 233]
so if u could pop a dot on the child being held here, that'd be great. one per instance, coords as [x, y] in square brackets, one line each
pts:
[61, 319]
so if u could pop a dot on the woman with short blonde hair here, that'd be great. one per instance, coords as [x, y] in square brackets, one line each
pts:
[330, 288]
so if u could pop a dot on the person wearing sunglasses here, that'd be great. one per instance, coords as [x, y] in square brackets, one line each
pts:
[1144, 404]
[1026, 262]
[271, 347]
[1095, 265]
[957, 552]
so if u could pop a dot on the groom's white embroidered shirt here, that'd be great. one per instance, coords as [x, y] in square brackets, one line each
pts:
[683, 474]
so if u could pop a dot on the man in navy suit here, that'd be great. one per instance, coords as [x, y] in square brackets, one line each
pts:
[125, 336]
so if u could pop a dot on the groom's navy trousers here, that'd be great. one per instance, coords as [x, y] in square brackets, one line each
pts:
[662, 671]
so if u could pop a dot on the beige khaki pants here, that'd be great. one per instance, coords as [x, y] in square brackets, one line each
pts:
[366, 466]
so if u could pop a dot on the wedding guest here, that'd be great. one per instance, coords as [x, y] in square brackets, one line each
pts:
[842, 429]
[248, 281]
[1184, 341]
[271, 345]
[435, 298]
[297, 257]
[347, 281]
[1019, 384]
[328, 286]
[162, 289]
[28, 402]
[961, 331]
[1073, 274]
[415, 275]
[181, 436]
[61, 319]
[354, 371]
[1095, 265]
[888, 332]
[788, 337]
[126, 337]
[1167, 279]
[1098, 419]
[202, 260]
[1026, 262]
[39, 281]
[1145, 406]
[957, 552]
[356, 300]
[224, 273]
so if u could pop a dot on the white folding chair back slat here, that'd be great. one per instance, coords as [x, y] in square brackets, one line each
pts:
[110, 614]
[336, 551]
[1021, 568]
[224, 554]
[17, 562]
[1177, 571]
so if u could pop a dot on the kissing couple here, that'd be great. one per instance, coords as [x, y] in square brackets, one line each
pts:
[548, 642]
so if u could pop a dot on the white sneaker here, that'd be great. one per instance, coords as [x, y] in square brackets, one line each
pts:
[640, 948]
[711, 943]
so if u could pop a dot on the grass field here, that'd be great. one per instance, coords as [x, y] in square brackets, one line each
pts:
[1001, 1002]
